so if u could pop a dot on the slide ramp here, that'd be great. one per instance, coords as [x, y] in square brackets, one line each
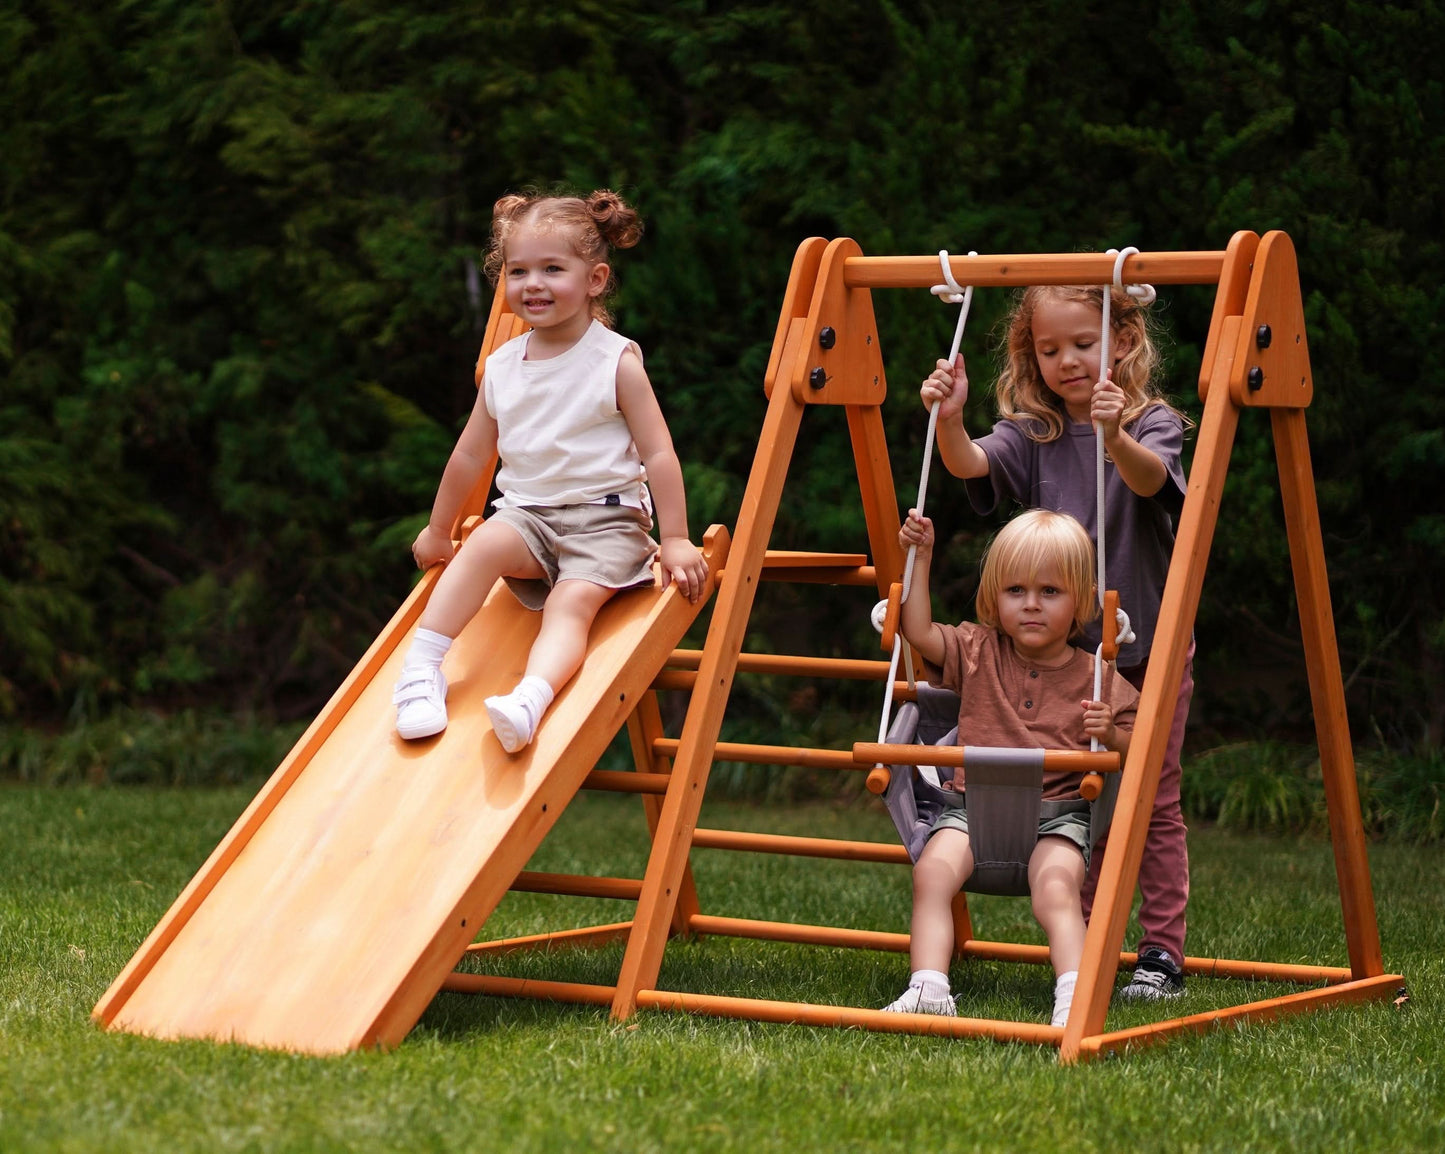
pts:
[330, 914]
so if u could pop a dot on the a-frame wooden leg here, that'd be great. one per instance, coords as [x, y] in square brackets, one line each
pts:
[668, 862]
[644, 726]
[1327, 691]
[1140, 781]
[880, 499]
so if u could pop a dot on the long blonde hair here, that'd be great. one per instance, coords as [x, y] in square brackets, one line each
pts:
[1035, 540]
[594, 225]
[1021, 392]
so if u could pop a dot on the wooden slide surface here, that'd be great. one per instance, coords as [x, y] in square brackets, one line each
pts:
[329, 916]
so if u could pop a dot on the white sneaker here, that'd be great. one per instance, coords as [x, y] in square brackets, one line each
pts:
[512, 720]
[420, 698]
[914, 1002]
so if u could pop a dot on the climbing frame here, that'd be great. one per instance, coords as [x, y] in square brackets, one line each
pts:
[826, 353]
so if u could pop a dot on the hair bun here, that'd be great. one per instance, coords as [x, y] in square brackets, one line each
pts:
[617, 221]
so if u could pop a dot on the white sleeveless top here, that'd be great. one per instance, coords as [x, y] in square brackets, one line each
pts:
[561, 438]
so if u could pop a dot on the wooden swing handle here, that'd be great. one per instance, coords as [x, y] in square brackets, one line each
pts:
[1111, 626]
[890, 619]
[878, 779]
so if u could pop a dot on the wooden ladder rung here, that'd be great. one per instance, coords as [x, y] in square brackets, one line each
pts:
[798, 932]
[843, 668]
[768, 754]
[732, 839]
[578, 885]
[816, 568]
[626, 781]
[589, 937]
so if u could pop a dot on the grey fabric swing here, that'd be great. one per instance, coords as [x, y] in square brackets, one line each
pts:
[1004, 792]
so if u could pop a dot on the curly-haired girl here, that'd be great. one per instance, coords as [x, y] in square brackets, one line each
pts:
[571, 413]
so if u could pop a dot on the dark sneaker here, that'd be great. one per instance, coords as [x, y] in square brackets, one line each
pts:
[1156, 975]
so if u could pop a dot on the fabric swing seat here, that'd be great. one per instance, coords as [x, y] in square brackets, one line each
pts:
[1004, 795]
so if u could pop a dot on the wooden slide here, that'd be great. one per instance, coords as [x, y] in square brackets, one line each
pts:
[330, 915]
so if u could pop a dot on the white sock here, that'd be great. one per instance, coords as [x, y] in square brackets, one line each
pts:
[537, 693]
[931, 983]
[1064, 996]
[426, 651]
[515, 715]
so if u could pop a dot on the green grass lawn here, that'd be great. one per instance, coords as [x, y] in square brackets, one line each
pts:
[87, 873]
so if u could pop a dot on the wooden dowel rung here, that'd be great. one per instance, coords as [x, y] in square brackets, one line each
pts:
[586, 938]
[748, 842]
[797, 932]
[626, 781]
[501, 987]
[1260, 971]
[794, 559]
[578, 885]
[1060, 760]
[686, 679]
[814, 568]
[767, 754]
[843, 668]
[864, 575]
[802, 1013]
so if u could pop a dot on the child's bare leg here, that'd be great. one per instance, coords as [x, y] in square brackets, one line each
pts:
[557, 653]
[939, 873]
[567, 619]
[493, 550]
[945, 864]
[1056, 876]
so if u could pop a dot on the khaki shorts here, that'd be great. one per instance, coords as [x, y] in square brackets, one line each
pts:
[607, 545]
[1072, 823]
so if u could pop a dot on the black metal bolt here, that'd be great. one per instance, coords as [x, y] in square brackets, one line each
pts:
[1262, 337]
[827, 338]
[818, 378]
[1256, 379]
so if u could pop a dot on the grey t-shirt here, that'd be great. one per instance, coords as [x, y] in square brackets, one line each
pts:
[1060, 475]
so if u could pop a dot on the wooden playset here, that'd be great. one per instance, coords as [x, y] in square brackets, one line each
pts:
[341, 901]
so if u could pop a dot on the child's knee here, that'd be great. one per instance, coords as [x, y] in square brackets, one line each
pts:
[933, 879]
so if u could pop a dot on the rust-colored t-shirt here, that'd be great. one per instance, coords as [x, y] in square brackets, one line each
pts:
[1009, 703]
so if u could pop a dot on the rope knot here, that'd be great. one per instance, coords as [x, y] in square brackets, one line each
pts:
[951, 292]
[1143, 293]
[1124, 635]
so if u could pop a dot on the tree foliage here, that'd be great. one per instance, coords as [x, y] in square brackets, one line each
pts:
[242, 294]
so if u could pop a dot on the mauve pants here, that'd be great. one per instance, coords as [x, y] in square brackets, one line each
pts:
[1164, 868]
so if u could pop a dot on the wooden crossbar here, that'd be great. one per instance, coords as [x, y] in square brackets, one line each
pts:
[769, 754]
[843, 668]
[577, 885]
[995, 271]
[954, 756]
[836, 848]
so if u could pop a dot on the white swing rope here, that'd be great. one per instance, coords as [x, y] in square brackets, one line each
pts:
[950, 292]
[1145, 295]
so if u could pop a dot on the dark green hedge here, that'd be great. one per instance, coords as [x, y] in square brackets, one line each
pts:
[240, 301]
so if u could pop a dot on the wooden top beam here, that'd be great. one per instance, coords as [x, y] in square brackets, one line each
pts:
[1033, 268]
